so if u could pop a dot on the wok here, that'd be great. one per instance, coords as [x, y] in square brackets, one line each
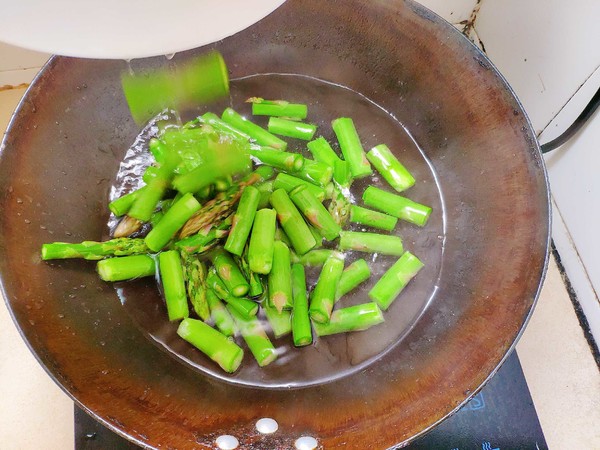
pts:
[452, 116]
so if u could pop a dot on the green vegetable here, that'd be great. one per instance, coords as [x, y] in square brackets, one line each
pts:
[194, 272]
[395, 279]
[171, 277]
[255, 337]
[242, 221]
[260, 135]
[323, 295]
[372, 218]
[219, 314]
[291, 128]
[351, 147]
[301, 330]
[315, 172]
[277, 108]
[390, 168]
[352, 318]
[121, 205]
[352, 276]
[289, 182]
[92, 250]
[292, 222]
[278, 159]
[217, 346]
[280, 321]
[279, 280]
[262, 239]
[230, 274]
[322, 151]
[314, 211]
[126, 268]
[397, 206]
[314, 258]
[198, 81]
[371, 243]
[177, 215]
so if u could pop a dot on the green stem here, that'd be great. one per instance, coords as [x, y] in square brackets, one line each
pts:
[314, 211]
[221, 159]
[289, 182]
[158, 149]
[256, 287]
[126, 268]
[171, 277]
[223, 127]
[242, 221]
[352, 276]
[219, 314]
[292, 222]
[301, 329]
[177, 215]
[260, 135]
[197, 81]
[351, 147]
[315, 172]
[121, 205]
[372, 218]
[397, 206]
[279, 280]
[244, 306]
[371, 243]
[323, 295]
[217, 346]
[92, 250]
[265, 190]
[291, 128]
[395, 279]
[146, 201]
[281, 322]
[230, 274]
[342, 174]
[256, 339]
[390, 168]
[150, 173]
[322, 151]
[262, 239]
[195, 279]
[314, 258]
[278, 159]
[278, 108]
[352, 318]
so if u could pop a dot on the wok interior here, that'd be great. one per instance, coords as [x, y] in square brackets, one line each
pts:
[70, 134]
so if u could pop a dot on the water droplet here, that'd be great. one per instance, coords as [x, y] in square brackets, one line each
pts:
[306, 443]
[227, 442]
[170, 56]
[267, 425]
[19, 201]
[90, 436]
[27, 221]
